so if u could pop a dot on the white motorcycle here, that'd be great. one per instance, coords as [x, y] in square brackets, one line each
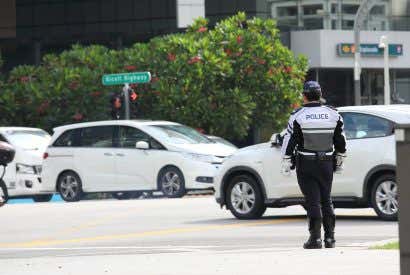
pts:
[7, 154]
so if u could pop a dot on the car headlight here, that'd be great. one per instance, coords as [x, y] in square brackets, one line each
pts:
[25, 169]
[204, 158]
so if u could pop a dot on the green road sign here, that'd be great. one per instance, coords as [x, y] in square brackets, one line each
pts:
[119, 79]
[348, 49]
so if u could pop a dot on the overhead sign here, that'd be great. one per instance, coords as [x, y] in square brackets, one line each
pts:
[348, 49]
[128, 78]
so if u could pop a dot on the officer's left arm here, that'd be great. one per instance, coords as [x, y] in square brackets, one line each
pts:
[339, 138]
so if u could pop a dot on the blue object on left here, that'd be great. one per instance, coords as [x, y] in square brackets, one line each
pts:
[56, 198]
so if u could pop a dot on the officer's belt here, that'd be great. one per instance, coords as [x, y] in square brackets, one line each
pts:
[324, 156]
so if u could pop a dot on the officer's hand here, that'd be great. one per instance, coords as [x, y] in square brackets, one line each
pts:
[339, 162]
[286, 166]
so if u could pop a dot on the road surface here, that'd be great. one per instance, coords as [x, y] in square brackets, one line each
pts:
[182, 236]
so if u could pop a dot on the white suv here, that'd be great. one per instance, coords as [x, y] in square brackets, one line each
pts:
[125, 157]
[250, 180]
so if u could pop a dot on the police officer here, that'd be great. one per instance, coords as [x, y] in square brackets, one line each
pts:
[316, 145]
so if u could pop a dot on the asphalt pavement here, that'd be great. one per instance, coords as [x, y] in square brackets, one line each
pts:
[183, 236]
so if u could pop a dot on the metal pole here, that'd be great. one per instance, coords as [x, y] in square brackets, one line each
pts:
[357, 69]
[403, 175]
[126, 100]
[358, 21]
[386, 75]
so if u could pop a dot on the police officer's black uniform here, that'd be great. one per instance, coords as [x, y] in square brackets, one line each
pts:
[314, 136]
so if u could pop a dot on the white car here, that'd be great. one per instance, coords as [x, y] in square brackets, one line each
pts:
[125, 156]
[22, 176]
[250, 180]
[221, 140]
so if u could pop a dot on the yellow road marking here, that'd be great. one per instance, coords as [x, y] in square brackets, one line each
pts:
[36, 243]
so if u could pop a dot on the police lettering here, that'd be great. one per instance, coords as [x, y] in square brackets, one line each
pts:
[317, 116]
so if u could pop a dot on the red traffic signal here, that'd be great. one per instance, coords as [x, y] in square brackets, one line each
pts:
[133, 96]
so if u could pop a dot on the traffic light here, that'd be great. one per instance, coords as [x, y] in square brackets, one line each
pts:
[133, 96]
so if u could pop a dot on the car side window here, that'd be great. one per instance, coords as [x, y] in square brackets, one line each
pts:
[65, 140]
[97, 137]
[129, 136]
[358, 126]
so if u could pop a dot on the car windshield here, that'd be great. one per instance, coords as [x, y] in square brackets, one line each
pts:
[181, 134]
[27, 139]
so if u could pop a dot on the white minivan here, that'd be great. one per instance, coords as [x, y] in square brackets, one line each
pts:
[22, 176]
[127, 156]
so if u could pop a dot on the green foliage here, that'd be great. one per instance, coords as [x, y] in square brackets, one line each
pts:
[225, 80]
[387, 246]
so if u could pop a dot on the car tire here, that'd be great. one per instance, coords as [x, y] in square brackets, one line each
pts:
[3, 193]
[70, 187]
[251, 205]
[42, 198]
[384, 197]
[171, 182]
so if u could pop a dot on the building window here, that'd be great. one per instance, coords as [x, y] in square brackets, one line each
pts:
[402, 87]
[350, 9]
[287, 24]
[287, 11]
[313, 23]
[334, 24]
[334, 8]
[378, 10]
[347, 24]
[312, 9]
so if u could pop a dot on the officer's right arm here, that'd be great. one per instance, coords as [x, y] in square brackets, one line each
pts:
[289, 141]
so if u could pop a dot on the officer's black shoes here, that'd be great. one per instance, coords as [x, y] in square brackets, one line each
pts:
[329, 227]
[314, 241]
[330, 243]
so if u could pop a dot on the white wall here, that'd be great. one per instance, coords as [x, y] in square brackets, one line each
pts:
[188, 10]
[321, 48]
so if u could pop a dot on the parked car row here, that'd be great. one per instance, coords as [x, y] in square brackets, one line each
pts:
[126, 157]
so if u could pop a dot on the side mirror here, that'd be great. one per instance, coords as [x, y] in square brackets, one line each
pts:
[276, 140]
[142, 145]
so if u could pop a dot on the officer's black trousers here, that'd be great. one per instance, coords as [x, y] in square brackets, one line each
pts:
[315, 180]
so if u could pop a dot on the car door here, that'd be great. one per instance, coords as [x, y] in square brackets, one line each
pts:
[95, 159]
[137, 169]
[279, 184]
[369, 137]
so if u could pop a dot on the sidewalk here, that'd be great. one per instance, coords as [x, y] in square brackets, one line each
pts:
[278, 261]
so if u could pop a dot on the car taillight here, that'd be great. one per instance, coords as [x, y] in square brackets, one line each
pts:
[45, 155]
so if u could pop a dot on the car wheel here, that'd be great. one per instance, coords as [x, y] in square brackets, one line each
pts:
[171, 182]
[4, 195]
[384, 197]
[43, 198]
[70, 187]
[244, 198]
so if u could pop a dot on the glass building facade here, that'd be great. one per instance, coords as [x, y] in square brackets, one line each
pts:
[36, 27]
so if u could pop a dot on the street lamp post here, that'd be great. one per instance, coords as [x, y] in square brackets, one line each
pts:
[384, 44]
[361, 14]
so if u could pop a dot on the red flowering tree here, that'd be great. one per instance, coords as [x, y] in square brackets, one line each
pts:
[224, 80]
[227, 79]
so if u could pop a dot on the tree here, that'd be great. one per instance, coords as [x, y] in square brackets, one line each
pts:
[225, 80]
